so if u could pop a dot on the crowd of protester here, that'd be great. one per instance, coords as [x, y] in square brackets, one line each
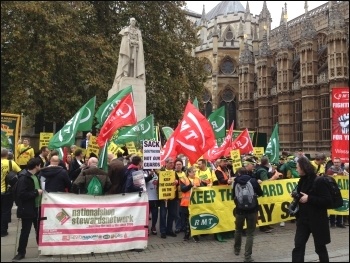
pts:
[73, 173]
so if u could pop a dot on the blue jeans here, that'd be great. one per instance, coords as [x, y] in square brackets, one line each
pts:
[168, 214]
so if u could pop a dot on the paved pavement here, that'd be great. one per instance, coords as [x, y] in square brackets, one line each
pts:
[273, 247]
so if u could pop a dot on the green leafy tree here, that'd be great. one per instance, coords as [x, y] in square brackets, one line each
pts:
[55, 56]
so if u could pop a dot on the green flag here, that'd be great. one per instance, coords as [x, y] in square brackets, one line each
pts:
[218, 122]
[105, 109]
[81, 121]
[167, 132]
[102, 160]
[273, 147]
[60, 153]
[195, 103]
[143, 130]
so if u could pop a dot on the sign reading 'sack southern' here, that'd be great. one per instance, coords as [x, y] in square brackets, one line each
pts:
[151, 155]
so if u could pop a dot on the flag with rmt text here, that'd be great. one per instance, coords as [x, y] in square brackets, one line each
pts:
[123, 114]
[194, 135]
[105, 109]
[81, 121]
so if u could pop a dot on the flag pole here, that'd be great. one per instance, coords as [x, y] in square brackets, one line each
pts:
[20, 132]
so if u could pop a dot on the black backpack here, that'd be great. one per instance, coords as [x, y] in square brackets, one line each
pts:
[14, 187]
[11, 178]
[337, 199]
[245, 197]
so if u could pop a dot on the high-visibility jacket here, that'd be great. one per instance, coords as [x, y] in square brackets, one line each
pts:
[178, 190]
[185, 200]
[208, 176]
[224, 173]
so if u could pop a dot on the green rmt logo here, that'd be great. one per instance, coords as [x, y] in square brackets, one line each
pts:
[345, 206]
[204, 221]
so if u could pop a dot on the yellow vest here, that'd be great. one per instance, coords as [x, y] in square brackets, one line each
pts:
[185, 200]
[206, 176]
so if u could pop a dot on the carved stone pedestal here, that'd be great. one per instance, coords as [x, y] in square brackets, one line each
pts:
[139, 91]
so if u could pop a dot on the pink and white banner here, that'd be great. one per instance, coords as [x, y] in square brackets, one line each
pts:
[81, 224]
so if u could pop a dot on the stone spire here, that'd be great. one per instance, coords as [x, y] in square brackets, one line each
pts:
[285, 13]
[308, 30]
[216, 30]
[336, 20]
[265, 13]
[264, 47]
[240, 28]
[203, 18]
[283, 32]
[282, 17]
[247, 15]
[246, 56]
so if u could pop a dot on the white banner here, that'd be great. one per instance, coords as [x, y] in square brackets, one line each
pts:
[81, 224]
[151, 155]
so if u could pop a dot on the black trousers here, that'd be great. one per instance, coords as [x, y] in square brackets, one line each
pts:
[25, 231]
[6, 207]
[302, 235]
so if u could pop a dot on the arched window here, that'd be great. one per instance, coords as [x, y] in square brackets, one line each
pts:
[207, 101]
[227, 66]
[228, 99]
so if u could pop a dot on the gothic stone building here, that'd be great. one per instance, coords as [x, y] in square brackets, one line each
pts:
[285, 75]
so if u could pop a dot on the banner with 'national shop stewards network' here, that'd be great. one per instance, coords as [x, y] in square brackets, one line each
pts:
[81, 224]
[340, 123]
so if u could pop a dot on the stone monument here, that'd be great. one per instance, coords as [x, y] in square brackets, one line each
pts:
[131, 67]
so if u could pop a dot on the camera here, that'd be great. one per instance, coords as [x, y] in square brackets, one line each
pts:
[296, 195]
[294, 205]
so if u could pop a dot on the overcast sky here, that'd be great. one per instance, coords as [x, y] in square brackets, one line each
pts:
[294, 8]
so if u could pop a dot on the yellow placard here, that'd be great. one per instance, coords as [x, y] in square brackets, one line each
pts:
[258, 152]
[92, 147]
[132, 150]
[44, 139]
[130, 145]
[113, 148]
[236, 159]
[166, 187]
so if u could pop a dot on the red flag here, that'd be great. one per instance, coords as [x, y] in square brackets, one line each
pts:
[216, 152]
[169, 149]
[123, 114]
[195, 135]
[242, 142]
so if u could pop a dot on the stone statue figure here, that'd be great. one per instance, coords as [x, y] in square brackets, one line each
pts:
[131, 61]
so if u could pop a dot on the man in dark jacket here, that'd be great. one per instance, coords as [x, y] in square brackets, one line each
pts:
[248, 216]
[81, 183]
[76, 165]
[116, 173]
[56, 178]
[136, 165]
[28, 200]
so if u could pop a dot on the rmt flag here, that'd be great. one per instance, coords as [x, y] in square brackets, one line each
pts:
[194, 136]
[123, 114]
